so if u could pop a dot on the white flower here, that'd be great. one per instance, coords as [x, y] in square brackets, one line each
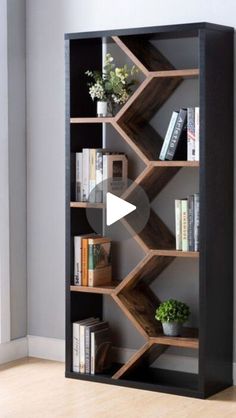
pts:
[97, 91]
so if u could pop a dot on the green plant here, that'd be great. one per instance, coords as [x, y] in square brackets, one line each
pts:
[172, 311]
[113, 84]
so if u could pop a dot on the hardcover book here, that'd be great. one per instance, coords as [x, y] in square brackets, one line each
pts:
[177, 148]
[169, 132]
[88, 330]
[115, 171]
[99, 261]
[184, 210]
[191, 134]
[101, 345]
[178, 224]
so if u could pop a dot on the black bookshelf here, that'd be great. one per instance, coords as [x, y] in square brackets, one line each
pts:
[215, 57]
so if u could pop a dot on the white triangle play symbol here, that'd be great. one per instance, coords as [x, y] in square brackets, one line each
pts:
[116, 208]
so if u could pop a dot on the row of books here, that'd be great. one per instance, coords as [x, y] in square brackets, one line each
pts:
[187, 223]
[92, 260]
[181, 141]
[91, 346]
[95, 165]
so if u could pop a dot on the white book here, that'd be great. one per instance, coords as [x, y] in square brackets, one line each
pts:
[178, 224]
[75, 329]
[197, 133]
[184, 211]
[92, 174]
[77, 261]
[76, 344]
[86, 173]
[191, 134]
[169, 131]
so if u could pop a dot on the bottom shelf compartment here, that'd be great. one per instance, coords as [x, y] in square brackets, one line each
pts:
[157, 380]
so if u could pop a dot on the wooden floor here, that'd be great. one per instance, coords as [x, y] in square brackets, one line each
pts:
[33, 388]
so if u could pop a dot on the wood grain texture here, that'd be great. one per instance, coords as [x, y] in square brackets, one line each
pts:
[142, 304]
[188, 339]
[156, 235]
[187, 73]
[105, 290]
[87, 205]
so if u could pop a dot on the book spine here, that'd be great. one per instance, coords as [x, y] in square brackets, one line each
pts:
[85, 174]
[90, 264]
[196, 221]
[170, 129]
[82, 348]
[78, 176]
[92, 174]
[87, 350]
[178, 227]
[92, 366]
[99, 176]
[184, 210]
[197, 133]
[77, 261]
[191, 223]
[75, 366]
[84, 262]
[176, 134]
[191, 134]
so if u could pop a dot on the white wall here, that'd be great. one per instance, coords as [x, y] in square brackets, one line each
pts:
[47, 21]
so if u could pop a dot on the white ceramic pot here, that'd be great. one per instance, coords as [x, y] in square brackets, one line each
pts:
[101, 109]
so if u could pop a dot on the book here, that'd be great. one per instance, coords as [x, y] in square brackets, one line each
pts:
[85, 175]
[197, 133]
[78, 257]
[191, 223]
[77, 261]
[88, 330]
[178, 142]
[184, 211]
[84, 258]
[115, 171]
[99, 261]
[99, 175]
[101, 345]
[191, 138]
[196, 221]
[178, 224]
[169, 131]
[82, 328]
[78, 176]
[92, 174]
[76, 345]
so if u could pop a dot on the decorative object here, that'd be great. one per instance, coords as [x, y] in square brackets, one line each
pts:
[101, 108]
[172, 313]
[112, 86]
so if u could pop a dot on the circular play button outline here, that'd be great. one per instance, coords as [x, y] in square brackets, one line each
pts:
[126, 209]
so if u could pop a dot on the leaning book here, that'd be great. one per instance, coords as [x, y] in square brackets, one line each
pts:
[101, 345]
[99, 261]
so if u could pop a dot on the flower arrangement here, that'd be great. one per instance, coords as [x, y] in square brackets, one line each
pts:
[112, 85]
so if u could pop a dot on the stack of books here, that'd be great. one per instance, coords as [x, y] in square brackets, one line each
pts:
[182, 137]
[92, 260]
[91, 346]
[187, 223]
[95, 165]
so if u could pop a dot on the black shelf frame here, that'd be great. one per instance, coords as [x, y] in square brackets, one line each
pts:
[216, 209]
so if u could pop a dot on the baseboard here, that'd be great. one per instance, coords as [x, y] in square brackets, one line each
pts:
[54, 349]
[13, 350]
[46, 348]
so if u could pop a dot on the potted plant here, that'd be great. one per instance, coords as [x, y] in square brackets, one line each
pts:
[172, 314]
[112, 86]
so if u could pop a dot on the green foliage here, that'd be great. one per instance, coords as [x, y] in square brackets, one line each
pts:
[172, 311]
[113, 84]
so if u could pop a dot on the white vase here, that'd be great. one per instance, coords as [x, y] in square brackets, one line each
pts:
[101, 109]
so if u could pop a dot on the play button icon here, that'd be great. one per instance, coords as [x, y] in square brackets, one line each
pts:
[122, 210]
[117, 208]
